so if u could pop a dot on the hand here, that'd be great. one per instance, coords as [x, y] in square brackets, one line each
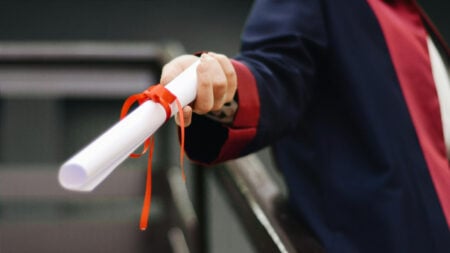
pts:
[217, 82]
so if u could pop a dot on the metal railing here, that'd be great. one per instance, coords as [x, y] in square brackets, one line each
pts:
[262, 207]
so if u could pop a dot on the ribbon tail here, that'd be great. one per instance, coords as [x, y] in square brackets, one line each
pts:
[145, 214]
[180, 115]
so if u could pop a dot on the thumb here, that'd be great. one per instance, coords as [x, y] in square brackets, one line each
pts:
[187, 116]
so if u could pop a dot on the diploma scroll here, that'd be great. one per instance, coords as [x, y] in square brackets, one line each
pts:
[91, 165]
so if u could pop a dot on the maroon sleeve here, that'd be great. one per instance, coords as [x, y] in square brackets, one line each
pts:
[243, 128]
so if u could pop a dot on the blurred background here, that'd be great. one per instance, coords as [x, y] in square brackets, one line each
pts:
[65, 69]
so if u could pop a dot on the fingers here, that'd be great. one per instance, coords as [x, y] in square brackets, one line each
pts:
[230, 75]
[216, 83]
[211, 85]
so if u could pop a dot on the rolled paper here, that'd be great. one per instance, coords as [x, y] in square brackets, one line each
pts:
[91, 165]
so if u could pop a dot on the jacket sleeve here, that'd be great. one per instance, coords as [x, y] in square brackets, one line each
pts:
[283, 43]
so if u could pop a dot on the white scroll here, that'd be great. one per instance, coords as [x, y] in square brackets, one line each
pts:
[91, 165]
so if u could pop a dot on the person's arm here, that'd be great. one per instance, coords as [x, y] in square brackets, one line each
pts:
[282, 47]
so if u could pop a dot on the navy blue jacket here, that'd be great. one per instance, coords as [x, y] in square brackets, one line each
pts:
[343, 92]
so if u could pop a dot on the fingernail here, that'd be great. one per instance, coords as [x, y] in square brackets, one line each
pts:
[205, 57]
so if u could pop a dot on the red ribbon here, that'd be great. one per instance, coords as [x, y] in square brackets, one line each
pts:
[158, 94]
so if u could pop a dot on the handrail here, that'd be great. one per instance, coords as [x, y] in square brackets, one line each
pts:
[261, 206]
[76, 51]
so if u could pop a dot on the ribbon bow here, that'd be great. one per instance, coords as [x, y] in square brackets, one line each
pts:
[158, 94]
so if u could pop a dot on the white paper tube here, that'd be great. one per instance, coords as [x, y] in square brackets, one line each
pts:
[91, 165]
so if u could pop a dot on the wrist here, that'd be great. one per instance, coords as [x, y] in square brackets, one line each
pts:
[226, 114]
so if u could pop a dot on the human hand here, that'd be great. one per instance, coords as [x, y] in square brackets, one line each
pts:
[217, 82]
